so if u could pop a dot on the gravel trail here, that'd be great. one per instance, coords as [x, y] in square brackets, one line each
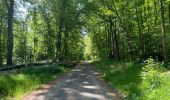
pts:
[82, 83]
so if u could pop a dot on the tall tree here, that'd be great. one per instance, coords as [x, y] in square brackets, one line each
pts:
[10, 7]
[164, 35]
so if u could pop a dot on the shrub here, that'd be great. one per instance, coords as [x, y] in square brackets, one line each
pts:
[134, 81]
[152, 77]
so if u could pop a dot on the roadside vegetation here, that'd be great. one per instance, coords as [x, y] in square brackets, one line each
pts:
[15, 85]
[148, 81]
[32, 31]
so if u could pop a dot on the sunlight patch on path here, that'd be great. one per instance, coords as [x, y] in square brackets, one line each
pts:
[82, 83]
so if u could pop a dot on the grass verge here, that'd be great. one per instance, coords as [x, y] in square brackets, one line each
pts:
[18, 84]
[126, 77]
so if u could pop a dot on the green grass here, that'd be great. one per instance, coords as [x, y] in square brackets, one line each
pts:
[18, 84]
[126, 78]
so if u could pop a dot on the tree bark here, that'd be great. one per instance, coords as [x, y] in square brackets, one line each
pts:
[164, 35]
[59, 39]
[1, 41]
[10, 6]
[169, 15]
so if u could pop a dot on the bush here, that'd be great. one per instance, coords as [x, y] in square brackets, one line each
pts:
[134, 81]
[151, 73]
[152, 77]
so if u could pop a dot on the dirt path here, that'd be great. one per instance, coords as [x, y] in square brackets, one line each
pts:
[82, 83]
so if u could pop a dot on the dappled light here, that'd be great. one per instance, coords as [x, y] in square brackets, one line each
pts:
[111, 94]
[70, 80]
[96, 73]
[84, 49]
[92, 96]
[28, 79]
[76, 86]
[85, 82]
[90, 87]
[76, 70]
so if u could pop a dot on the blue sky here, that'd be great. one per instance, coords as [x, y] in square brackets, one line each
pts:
[20, 10]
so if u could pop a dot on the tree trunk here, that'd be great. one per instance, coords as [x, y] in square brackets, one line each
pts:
[59, 39]
[10, 6]
[1, 42]
[65, 45]
[169, 15]
[48, 36]
[164, 35]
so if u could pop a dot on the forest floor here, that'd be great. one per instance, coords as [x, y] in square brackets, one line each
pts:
[84, 82]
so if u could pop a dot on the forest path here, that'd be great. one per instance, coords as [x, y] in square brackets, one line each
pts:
[82, 83]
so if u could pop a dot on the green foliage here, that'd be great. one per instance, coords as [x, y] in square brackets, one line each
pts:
[17, 84]
[3, 32]
[135, 81]
[126, 29]
[88, 52]
[124, 76]
[151, 74]
[153, 79]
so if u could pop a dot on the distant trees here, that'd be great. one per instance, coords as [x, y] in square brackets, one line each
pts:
[129, 29]
[40, 30]
[53, 29]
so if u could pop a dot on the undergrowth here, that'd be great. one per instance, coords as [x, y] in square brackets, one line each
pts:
[148, 81]
[18, 84]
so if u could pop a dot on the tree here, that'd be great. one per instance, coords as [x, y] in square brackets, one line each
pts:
[164, 35]
[10, 7]
[55, 29]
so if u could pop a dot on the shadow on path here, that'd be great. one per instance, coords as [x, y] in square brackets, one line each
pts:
[82, 83]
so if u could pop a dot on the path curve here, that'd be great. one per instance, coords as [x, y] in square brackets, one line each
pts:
[82, 83]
